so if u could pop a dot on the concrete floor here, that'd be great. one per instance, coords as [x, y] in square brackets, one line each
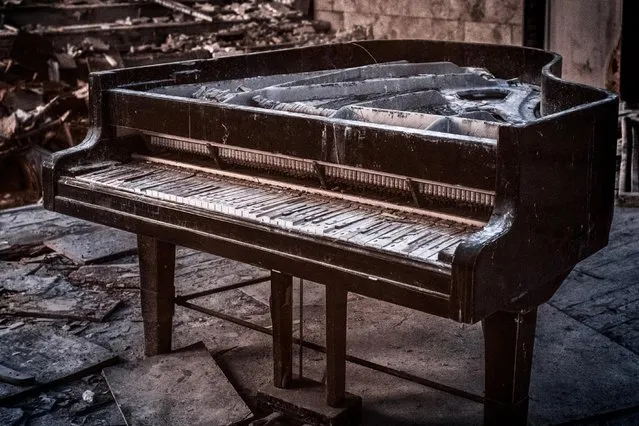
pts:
[586, 359]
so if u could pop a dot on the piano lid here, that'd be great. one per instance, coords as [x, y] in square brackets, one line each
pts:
[436, 96]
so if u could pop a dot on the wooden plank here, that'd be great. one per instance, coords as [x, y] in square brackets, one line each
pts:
[118, 275]
[56, 15]
[52, 297]
[50, 357]
[179, 7]
[185, 387]
[11, 376]
[24, 229]
[122, 36]
[95, 246]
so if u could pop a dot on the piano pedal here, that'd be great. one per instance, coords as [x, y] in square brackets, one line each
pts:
[305, 402]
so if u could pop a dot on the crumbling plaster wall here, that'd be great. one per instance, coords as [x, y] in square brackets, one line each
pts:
[483, 21]
[586, 33]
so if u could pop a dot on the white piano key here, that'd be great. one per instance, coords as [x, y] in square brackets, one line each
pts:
[102, 175]
[286, 210]
[361, 236]
[423, 242]
[318, 211]
[304, 219]
[357, 222]
[427, 248]
[414, 231]
[336, 220]
[435, 246]
[149, 176]
[252, 199]
[296, 211]
[122, 177]
[201, 189]
[259, 200]
[274, 206]
[300, 214]
[385, 239]
[173, 188]
[336, 210]
[218, 193]
[405, 245]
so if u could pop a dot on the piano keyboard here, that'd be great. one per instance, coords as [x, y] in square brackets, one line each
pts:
[269, 161]
[418, 237]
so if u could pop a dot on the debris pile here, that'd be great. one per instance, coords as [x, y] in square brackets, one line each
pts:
[69, 309]
[255, 36]
[37, 117]
[48, 49]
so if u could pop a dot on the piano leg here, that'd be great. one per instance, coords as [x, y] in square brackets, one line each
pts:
[509, 339]
[336, 297]
[157, 293]
[282, 318]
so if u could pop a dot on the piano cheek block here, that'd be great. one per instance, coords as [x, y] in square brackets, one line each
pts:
[461, 180]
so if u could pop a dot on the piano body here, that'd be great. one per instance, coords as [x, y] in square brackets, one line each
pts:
[461, 180]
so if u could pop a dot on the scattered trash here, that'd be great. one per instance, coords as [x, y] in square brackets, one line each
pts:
[81, 248]
[49, 357]
[46, 56]
[11, 416]
[87, 396]
[15, 325]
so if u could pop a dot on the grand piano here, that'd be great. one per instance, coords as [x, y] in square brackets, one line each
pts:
[461, 180]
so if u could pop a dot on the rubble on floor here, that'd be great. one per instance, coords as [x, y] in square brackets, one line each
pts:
[50, 358]
[48, 49]
[586, 355]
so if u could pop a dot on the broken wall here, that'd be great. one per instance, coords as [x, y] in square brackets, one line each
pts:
[482, 21]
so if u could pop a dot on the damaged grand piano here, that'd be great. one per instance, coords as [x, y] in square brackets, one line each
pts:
[461, 180]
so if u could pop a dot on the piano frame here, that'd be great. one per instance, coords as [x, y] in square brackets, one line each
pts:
[553, 183]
